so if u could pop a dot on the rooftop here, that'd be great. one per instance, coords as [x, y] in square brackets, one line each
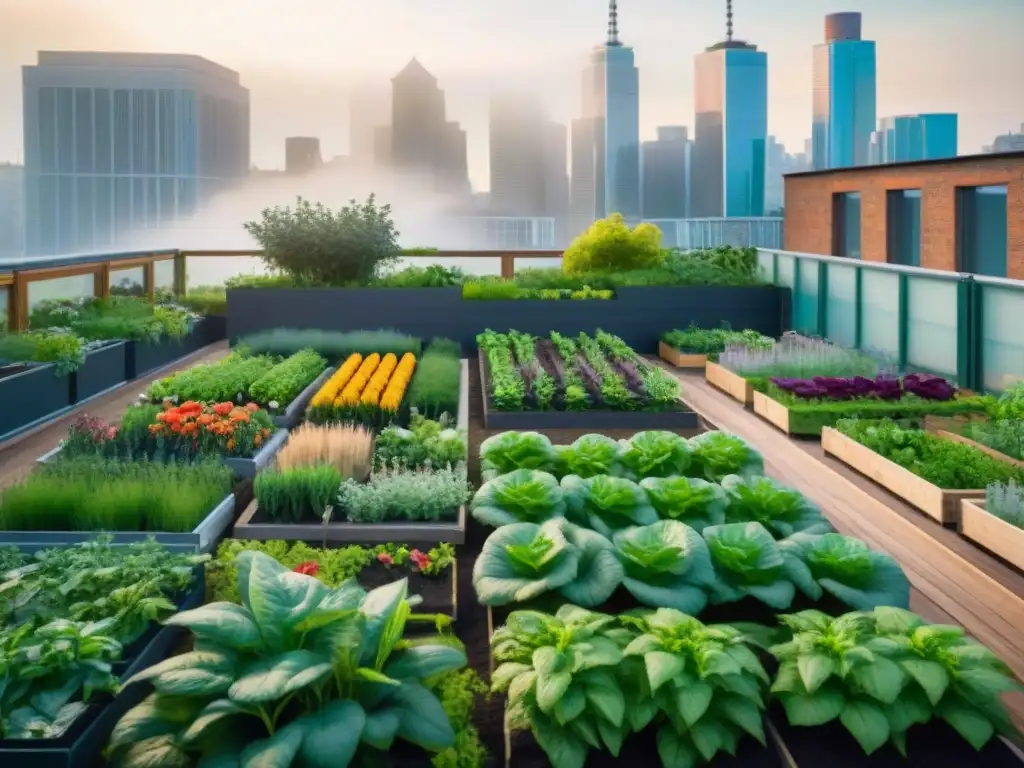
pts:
[959, 160]
[136, 61]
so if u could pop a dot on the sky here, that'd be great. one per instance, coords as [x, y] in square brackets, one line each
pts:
[301, 58]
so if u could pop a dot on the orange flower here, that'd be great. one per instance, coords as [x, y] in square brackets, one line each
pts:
[257, 440]
[265, 432]
[231, 445]
[176, 428]
[172, 417]
[223, 409]
[240, 416]
[205, 419]
[156, 429]
[162, 416]
[251, 407]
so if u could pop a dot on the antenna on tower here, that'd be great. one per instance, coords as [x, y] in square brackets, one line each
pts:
[728, 20]
[613, 23]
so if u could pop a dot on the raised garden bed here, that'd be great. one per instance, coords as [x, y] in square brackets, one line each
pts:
[145, 356]
[734, 385]
[994, 534]
[31, 393]
[102, 370]
[679, 358]
[440, 593]
[297, 407]
[494, 419]
[251, 525]
[938, 503]
[203, 538]
[246, 468]
[981, 447]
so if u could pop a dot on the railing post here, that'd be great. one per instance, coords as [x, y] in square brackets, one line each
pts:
[904, 320]
[970, 335]
[858, 305]
[180, 274]
[101, 281]
[18, 310]
[508, 266]
[823, 299]
[149, 280]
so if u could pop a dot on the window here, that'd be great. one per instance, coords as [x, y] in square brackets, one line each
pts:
[982, 230]
[903, 227]
[846, 224]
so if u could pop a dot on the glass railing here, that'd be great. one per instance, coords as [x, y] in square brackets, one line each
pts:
[950, 323]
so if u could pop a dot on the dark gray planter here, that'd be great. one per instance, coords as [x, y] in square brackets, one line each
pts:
[31, 396]
[203, 538]
[297, 407]
[145, 356]
[248, 467]
[638, 315]
[104, 369]
[404, 531]
[590, 419]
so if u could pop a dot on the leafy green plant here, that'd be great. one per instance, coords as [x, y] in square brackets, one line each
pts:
[506, 386]
[95, 494]
[226, 380]
[509, 451]
[942, 462]
[666, 564]
[459, 693]
[1006, 501]
[116, 317]
[847, 569]
[881, 673]
[610, 244]
[296, 495]
[65, 350]
[690, 500]
[590, 455]
[717, 454]
[286, 380]
[655, 454]
[320, 676]
[206, 300]
[425, 443]
[782, 510]
[435, 386]
[606, 504]
[748, 562]
[1003, 435]
[521, 496]
[334, 345]
[713, 341]
[397, 493]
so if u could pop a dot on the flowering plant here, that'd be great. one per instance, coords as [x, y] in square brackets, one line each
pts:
[198, 428]
[308, 568]
[89, 433]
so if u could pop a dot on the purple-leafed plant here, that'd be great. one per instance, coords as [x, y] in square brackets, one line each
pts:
[634, 380]
[929, 387]
[924, 386]
[590, 378]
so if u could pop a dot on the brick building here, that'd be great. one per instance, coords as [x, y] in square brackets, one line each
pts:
[963, 213]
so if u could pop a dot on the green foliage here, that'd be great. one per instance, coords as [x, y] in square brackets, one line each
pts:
[286, 380]
[801, 357]
[748, 562]
[665, 564]
[426, 443]
[505, 386]
[521, 496]
[606, 504]
[1006, 501]
[336, 346]
[223, 381]
[322, 677]
[883, 672]
[713, 341]
[436, 382]
[782, 510]
[397, 493]
[718, 454]
[655, 453]
[95, 494]
[509, 451]
[66, 351]
[431, 276]
[206, 300]
[945, 463]
[611, 244]
[315, 244]
[501, 289]
[459, 693]
[1010, 405]
[689, 500]
[1003, 435]
[118, 317]
[300, 494]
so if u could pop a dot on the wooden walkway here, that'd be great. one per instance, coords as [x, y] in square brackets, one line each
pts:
[953, 581]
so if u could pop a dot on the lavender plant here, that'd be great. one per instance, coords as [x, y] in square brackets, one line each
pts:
[796, 356]
[1006, 501]
[397, 493]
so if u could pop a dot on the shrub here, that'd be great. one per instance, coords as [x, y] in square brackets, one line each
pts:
[65, 350]
[435, 386]
[295, 495]
[347, 448]
[313, 243]
[611, 244]
[713, 341]
[206, 300]
[286, 380]
[92, 494]
[118, 317]
[334, 345]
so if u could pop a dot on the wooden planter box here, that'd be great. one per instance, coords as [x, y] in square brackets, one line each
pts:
[405, 532]
[938, 503]
[203, 538]
[983, 448]
[992, 533]
[734, 385]
[297, 407]
[771, 411]
[679, 359]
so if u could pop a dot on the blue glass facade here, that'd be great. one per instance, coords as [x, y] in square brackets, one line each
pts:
[843, 103]
[846, 224]
[906, 138]
[982, 230]
[621, 132]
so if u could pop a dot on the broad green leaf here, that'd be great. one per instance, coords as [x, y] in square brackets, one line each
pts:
[548, 660]
[267, 596]
[378, 606]
[674, 751]
[199, 673]
[605, 694]
[981, 685]
[883, 679]
[157, 752]
[373, 676]
[748, 661]
[744, 713]
[611, 735]
[910, 708]
[227, 624]
[422, 661]
[815, 668]
[641, 645]
[394, 628]
[787, 679]
[506, 673]
[692, 701]
[969, 723]
[422, 719]
[212, 712]
[550, 688]
[331, 735]
[867, 723]
[380, 728]
[662, 667]
[156, 715]
[930, 675]
[895, 621]
[598, 571]
[709, 737]
[563, 748]
[814, 709]
[595, 652]
[271, 678]
[570, 705]
[277, 751]
[521, 685]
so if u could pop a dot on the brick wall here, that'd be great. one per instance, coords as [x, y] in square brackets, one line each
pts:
[808, 213]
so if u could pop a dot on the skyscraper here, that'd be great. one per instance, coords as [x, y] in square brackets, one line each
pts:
[904, 138]
[844, 94]
[302, 154]
[1007, 142]
[731, 126]
[666, 169]
[610, 178]
[422, 139]
[116, 141]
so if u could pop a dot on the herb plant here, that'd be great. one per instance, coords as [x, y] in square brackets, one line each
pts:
[426, 443]
[296, 495]
[334, 345]
[397, 493]
[1003, 435]
[224, 381]
[713, 341]
[801, 357]
[434, 390]
[1006, 501]
[286, 380]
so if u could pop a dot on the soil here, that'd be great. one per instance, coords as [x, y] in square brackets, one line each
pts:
[338, 518]
[7, 371]
[436, 591]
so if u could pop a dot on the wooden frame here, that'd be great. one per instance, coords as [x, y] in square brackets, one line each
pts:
[940, 504]
[772, 411]
[670, 354]
[996, 535]
[983, 448]
[734, 385]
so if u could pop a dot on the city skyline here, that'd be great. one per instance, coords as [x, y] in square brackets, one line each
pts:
[962, 61]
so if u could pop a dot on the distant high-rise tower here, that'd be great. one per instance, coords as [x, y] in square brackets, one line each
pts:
[731, 127]
[905, 138]
[609, 181]
[117, 141]
[844, 94]
[666, 172]
[368, 108]
[302, 154]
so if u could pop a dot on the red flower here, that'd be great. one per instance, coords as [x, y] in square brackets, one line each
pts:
[419, 559]
[308, 568]
[385, 558]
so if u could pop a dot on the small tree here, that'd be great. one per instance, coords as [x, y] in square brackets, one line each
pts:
[314, 244]
[609, 244]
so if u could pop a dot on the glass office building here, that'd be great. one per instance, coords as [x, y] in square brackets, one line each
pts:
[844, 95]
[120, 141]
[731, 130]
[904, 138]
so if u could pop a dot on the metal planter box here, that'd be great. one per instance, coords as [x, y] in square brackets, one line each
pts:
[293, 413]
[30, 396]
[246, 468]
[104, 369]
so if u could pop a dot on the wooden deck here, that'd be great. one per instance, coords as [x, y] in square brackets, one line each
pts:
[953, 581]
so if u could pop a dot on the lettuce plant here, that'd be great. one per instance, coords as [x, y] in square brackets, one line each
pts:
[783, 511]
[591, 455]
[707, 682]
[521, 496]
[509, 451]
[748, 562]
[299, 673]
[655, 454]
[689, 500]
[665, 564]
[523, 561]
[847, 569]
[881, 673]
[717, 454]
[606, 504]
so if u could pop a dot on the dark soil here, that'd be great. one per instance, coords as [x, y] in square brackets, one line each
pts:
[436, 591]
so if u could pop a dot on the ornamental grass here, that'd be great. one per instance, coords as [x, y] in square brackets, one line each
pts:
[347, 448]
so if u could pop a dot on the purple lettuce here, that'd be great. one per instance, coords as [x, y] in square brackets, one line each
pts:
[928, 387]
[882, 387]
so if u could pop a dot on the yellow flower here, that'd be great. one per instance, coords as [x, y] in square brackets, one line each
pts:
[329, 391]
[392, 397]
[350, 394]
